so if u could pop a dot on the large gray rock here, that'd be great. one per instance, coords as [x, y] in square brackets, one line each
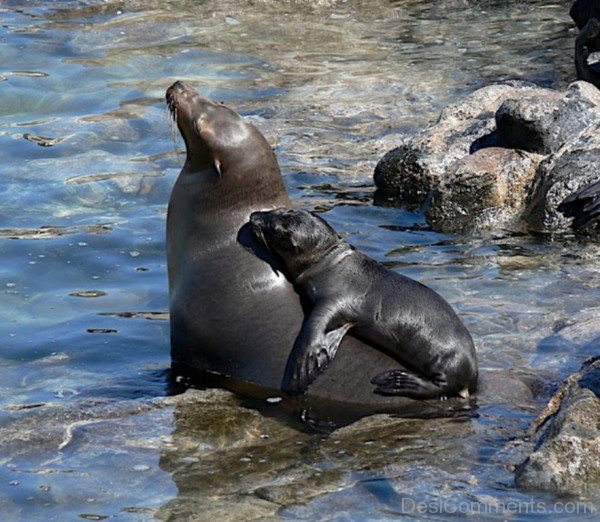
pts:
[566, 458]
[418, 165]
[574, 166]
[485, 189]
[504, 157]
[543, 122]
[524, 123]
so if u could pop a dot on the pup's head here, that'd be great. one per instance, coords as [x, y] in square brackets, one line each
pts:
[299, 237]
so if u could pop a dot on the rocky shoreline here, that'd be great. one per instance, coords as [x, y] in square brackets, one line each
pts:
[507, 155]
[518, 157]
[566, 455]
[503, 158]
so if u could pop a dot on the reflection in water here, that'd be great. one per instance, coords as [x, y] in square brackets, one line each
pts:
[252, 464]
[89, 428]
[225, 458]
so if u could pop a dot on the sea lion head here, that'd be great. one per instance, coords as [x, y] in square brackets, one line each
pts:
[217, 138]
[299, 237]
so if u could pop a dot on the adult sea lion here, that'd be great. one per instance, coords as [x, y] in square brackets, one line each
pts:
[352, 291]
[231, 313]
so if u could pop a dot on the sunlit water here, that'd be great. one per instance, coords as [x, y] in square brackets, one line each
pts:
[86, 431]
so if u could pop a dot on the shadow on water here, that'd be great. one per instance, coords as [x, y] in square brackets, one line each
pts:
[252, 456]
[310, 414]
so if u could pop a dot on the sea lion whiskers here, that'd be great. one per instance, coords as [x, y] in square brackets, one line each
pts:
[172, 105]
[172, 116]
[173, 131]
[172, 108]
[260, 235]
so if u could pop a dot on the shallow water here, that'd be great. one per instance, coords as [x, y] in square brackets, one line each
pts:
[86, 426]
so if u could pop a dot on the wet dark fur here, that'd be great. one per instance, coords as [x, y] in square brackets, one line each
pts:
[350, 290]
[586, 15]
[583, 206]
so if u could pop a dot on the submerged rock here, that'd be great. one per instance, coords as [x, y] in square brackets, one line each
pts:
[566, 458]
[582, 331]
[504, 157]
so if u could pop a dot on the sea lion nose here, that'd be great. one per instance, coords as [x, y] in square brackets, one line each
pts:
[179, 87]
[258, 218]
[175, 87]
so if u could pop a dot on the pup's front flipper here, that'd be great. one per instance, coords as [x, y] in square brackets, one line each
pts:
[408, 384]
[313, 351]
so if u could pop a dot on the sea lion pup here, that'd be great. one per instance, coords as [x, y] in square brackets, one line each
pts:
[583, 205]
[400, 316]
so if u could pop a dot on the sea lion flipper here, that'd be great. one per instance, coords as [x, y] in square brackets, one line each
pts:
[407, 384]
[313, 351]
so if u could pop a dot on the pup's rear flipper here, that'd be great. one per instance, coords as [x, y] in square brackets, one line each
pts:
[407, 384]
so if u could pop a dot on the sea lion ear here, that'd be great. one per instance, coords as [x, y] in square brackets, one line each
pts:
[217, 164]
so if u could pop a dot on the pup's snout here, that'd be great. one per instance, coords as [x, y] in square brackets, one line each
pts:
[259, 219]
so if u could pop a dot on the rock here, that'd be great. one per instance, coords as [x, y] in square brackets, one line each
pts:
[482, 189]
[504, 157]
[484, 102]
[582, 330]
[417, 177]
[44, 142]
[499, 386]
[525, 123]
[544, 121]
[566, 458]
[574, 166]
[413, 169]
